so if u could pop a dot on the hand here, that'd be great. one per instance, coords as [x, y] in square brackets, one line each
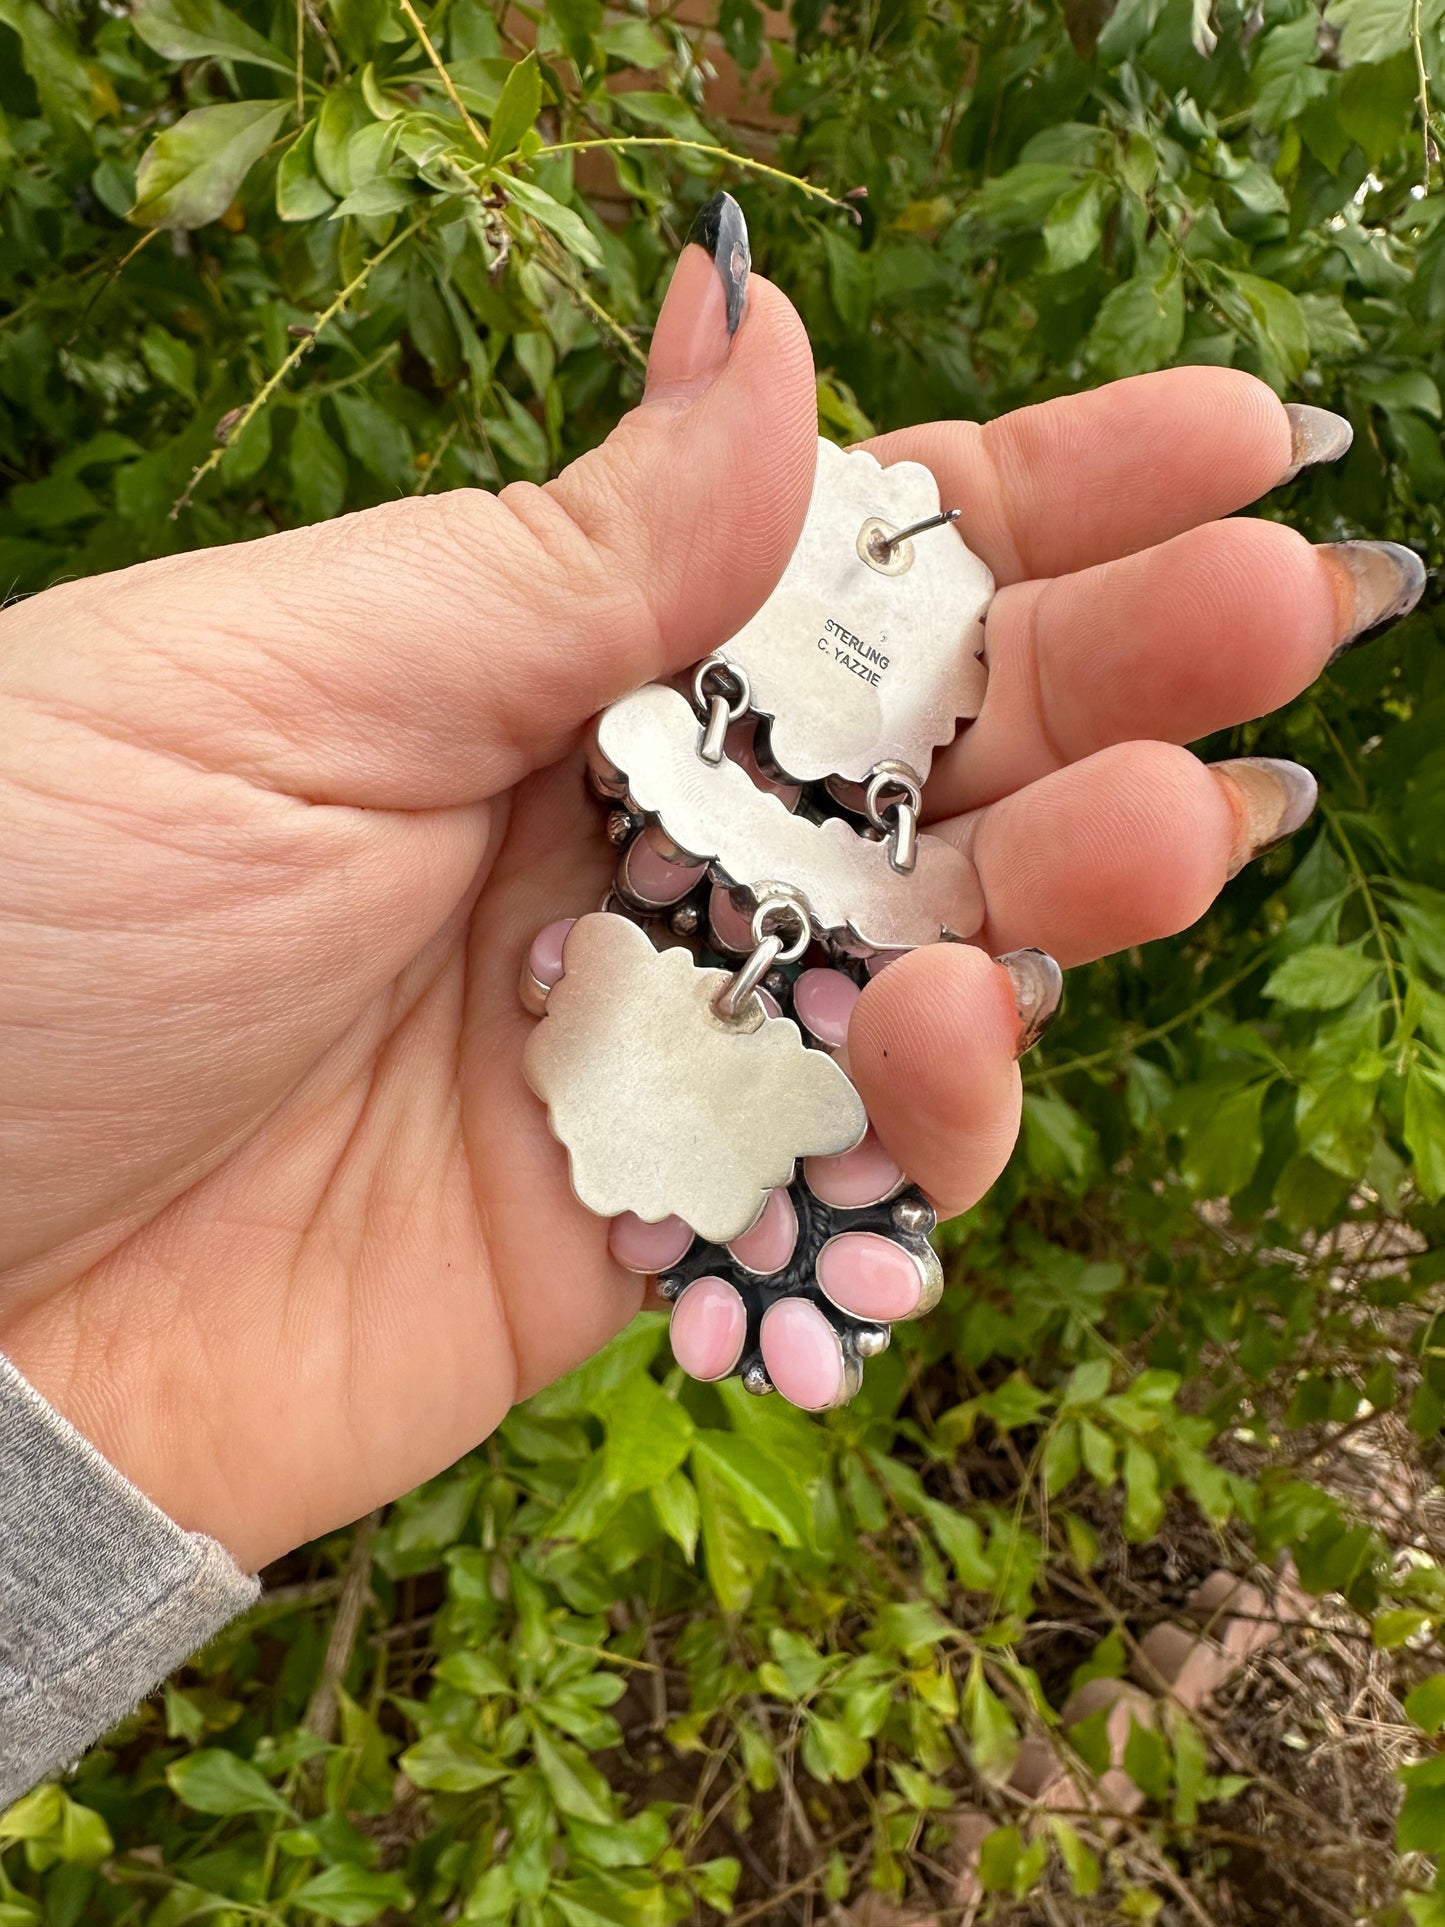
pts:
[281, 1228]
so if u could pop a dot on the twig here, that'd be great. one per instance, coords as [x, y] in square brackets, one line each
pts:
[321, 1708]
[743, 161]
[303, 347]
[441, 67]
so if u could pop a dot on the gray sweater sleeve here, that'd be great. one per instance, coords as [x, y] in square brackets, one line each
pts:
[101, 1595]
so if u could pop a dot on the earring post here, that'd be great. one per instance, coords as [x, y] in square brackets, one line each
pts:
[890, 543]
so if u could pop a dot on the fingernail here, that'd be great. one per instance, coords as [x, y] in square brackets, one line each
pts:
[704, 306]
[1378, 582]
[1270, 799]
[1315, 435]
[721, 229]
[1038, 992]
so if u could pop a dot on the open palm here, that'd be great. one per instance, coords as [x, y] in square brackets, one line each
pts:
[281, 1228]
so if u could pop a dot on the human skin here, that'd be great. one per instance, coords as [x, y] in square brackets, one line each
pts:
[281, 1228]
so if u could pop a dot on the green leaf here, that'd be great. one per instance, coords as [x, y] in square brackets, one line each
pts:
[1425, 1704]
[300, 192]
[961, 1540]
[674, 1500]
[448, 1763]
[1374, 30]
[516, 111]
[1147, 1762]
[993, 1737]
[1143, 1503]
[764, 1491]
[1221, 1147]
[831, 1752]
[1394, 1628]
[1074, 225]
[171, 360]
[736, 1555]
[1277, 322]
[214, 1781]
[62, 80]
[648, 1435]
[666, 112]
[1421, 1825]
[574, 1783]
[474, 1673]
[351, 1895]
[318, 468]
[202, 30]
[1322, 976]
[33, 1815]
[190, 173]
[564, 222]
[1057, 1141]
[1139, 326]
[1079, 1864]
[1425, 1128]
[379, 443]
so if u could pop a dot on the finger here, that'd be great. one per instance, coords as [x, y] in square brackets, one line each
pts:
[1078, 480]
[1132, 844]
[1213, 628]
[932, 1048]
[431, 651]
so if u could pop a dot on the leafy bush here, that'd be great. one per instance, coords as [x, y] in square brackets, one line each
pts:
[656, 1649]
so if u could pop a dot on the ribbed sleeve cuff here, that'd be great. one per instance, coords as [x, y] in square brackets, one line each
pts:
[101, 1595]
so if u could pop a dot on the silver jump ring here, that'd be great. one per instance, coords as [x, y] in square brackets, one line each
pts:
[733, 997]
[773, 909]
[890, 777]
[725, 673]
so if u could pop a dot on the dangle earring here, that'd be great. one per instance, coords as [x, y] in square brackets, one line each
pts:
[691, 1049]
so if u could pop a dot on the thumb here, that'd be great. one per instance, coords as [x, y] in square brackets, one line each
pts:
[432, 651]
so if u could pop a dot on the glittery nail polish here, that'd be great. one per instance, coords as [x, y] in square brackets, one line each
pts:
[722, 231]
[1271, 797]
[1315, 435]
[1038, 992]
[1383, 581]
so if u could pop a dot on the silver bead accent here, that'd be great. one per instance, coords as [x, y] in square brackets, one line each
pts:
[914, 1218]
[872, 1339]
[670, 1288]
[756, 1381]
[620, 825]
[776, 984]
[684, 920]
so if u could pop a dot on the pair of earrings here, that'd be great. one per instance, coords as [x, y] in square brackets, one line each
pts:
[692, 1044]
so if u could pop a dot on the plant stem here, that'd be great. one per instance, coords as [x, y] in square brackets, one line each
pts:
[268, 388]
[626, 141]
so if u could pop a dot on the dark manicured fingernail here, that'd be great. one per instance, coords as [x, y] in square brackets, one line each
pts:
[1038, 991]
[1381, 581]
[721, 229]
[1315, 435]
[1270, 799]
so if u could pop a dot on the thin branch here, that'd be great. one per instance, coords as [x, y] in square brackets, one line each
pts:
[303, 347]
[628, 141]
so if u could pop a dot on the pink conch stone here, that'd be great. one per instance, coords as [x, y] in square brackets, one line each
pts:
[881, 959]
[638, 1246]
[544, 959]
[732, 931]
[769, 1245]
[709, 1324]
[769, 1002]
[870, 1276]
[652, 878]
[824, 1000]
[866, 1175]
[802, 1354]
